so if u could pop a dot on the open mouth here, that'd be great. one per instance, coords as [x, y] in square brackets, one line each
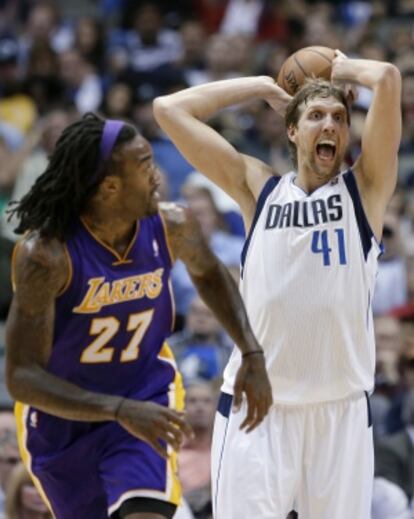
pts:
[326, 151]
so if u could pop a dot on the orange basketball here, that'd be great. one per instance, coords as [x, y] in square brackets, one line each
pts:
[305, 63]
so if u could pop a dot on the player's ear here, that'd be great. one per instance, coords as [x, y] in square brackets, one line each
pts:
[110, 185]
[291, 132]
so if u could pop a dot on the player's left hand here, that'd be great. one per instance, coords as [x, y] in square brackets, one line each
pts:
[253, 381]
[277, 98]
[350, 90]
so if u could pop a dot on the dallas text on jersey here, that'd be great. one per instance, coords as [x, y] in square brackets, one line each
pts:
[304, 213]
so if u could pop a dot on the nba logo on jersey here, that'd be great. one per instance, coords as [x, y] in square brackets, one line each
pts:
[33, 419]
[155, 247]
[334, 181]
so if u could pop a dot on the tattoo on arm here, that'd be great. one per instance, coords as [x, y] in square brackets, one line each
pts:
[41, 271]
[211, 278]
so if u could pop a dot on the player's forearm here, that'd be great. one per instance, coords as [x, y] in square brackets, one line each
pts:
[204, 101]
[219, 291]
[368, 73]
[37, 387]
[28, 340]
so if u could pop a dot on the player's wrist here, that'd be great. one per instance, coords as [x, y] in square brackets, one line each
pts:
[265, 87]
[252, 353]
[117, 409]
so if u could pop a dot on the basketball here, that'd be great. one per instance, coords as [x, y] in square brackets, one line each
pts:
[305, 63]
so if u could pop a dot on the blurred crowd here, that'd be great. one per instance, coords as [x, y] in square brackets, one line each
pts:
[59, 60]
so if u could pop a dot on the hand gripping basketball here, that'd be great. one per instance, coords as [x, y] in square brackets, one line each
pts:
[309, 62]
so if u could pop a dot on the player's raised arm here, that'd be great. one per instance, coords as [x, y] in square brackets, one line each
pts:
[181, 115]
[377, 167]
[219, 291]
[41, 271]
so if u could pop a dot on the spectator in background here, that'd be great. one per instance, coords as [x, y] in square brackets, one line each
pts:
[118, 101]
[8, 14]
[388, 349]
[194, 463]
[391, 285]
[359, 113]
[407, 102]
[388, 342]
[320, 28]
[150, 45]
[90, 41]
[23, 499]
[202, 348]
[166, 155]
[242, 17]
[44, 22]
[267, 140]
[82, 84]
[394, 419]
[389, 501]
[219, 61]
[227, 207]
[406, 311]
[395, 454]
[9, 455]
[5, 183]
[192, 60]
[42, 82]
[227, 247]
[370, 47]
[42, 61]
[407, 220]
[148, 51]
[17, 109]
[210, 13]
[26, 165]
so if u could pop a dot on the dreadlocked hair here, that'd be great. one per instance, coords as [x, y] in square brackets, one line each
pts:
[59, 195]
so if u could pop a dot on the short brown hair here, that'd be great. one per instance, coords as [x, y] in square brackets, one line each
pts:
[312, 89]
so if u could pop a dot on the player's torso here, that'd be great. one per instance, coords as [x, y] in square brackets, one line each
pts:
[113, 318]
[307, 282]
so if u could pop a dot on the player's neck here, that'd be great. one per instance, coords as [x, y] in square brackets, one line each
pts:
[309, 182]
[114, 232]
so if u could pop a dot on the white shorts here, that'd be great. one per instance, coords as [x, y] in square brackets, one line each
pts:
[317, 459]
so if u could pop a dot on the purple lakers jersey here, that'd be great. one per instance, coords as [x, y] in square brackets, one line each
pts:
[111, 321]
[113, 317]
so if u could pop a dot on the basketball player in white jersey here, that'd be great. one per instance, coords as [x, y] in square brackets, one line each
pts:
[307, 279]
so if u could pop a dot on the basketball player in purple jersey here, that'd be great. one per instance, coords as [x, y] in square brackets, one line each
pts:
[99, 398]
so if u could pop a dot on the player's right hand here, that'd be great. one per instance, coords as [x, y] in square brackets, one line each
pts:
[154, 424]
[253, 381]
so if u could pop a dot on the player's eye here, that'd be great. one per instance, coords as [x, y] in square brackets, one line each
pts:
[339, 118]
[316, 115]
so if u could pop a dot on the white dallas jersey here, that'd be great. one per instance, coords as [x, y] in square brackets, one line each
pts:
[308, 273]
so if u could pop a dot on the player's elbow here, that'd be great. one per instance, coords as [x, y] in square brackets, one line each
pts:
[18, 381]
[162, 109]
[390, 77]
[12, 382]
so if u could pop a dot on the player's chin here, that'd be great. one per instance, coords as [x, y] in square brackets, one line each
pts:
[153, 204]
[327, 168]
